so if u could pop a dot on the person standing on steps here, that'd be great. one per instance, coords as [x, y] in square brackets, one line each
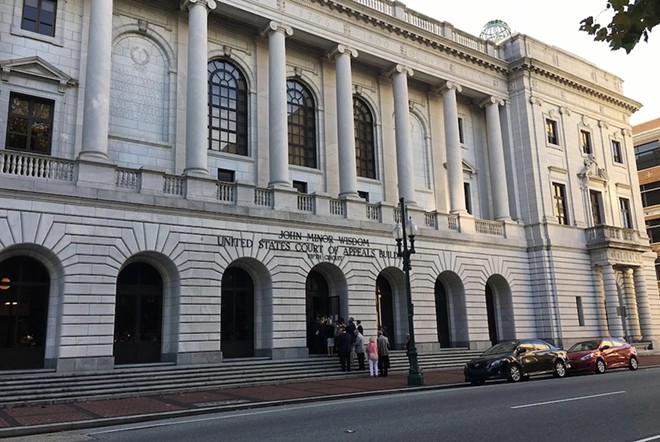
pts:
[383, 354]
[372, 352]
[359, 349]
[344, 346]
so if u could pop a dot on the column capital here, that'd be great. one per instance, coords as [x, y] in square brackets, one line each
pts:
[492, 100]
[400, 69]
[342, 49]
[448, 86]
[187, 4]
[275, 26]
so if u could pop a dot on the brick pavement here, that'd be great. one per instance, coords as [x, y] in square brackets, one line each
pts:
[49, 418]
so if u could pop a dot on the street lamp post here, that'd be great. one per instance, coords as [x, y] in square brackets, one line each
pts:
[415, 376]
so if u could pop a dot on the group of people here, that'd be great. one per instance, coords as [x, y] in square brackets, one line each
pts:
[348, 339]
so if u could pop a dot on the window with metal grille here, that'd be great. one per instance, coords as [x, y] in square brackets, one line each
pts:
[365, 150]
[559, 198]
[302, 124]
[29, 123]
[39, 16]
[228, 120]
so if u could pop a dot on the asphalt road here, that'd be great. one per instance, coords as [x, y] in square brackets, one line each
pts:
[616, 406]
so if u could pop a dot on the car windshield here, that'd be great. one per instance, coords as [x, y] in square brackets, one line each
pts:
[584, 346]
[501, 348]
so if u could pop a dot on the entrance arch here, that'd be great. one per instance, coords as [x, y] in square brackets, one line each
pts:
[450, 311]
[138, 315]
[24, 298]
[385, 308]
[237, 317]
[326, 294]
[499, 307]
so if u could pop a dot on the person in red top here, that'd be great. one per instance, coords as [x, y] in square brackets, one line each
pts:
[372, 351]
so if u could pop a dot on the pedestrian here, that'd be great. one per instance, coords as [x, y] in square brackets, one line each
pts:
[344, 346]
[359, 349]
[359, 326]
[383, 345]
[329, 336]
[372, 351]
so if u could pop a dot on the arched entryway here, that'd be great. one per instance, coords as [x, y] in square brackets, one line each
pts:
[385, 308]
[319, 303]
[24, 297]
[237, 317]
[442, 315]
[138, 315]
[450, 311]
[499, 308]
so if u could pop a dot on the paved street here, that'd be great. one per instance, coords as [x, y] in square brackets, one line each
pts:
[321, 394]
[617, 406]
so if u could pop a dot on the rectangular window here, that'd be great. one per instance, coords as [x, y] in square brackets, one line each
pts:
[595, 198]
[650, 194]
[585, 138]
[39, 16]
[580, 310]
[461, 138]
[559, 198]
[226, 175]
[468, 198]
[300, 186]
[616, 151]
[364, 195]
[647, 155]
[653, 231]
[551, 131]
[29, 124]
[626, 217]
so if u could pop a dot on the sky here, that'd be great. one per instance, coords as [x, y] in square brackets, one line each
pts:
[557, 23]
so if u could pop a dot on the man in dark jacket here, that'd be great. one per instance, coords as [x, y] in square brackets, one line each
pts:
[383, 353]
[344, 346]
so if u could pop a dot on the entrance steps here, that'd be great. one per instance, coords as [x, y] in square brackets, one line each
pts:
[45, 387]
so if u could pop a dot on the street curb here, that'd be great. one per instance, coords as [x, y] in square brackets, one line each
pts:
[94, 423]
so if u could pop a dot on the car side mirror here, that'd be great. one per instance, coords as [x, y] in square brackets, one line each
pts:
[604, 347]
[520, 351]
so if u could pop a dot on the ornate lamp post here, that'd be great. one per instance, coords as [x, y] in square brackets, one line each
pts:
[415, 376]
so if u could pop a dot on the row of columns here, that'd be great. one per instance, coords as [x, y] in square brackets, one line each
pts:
[634, 297]
[97, 111]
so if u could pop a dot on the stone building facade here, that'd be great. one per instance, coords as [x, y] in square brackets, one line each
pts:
[191, 181]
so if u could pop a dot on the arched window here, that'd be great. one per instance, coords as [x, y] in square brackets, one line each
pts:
[365, 156]
[302, 124]
[421, 166]
[227, 108]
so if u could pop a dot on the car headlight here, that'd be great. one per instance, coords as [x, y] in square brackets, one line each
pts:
[496, 363]
[587, 357]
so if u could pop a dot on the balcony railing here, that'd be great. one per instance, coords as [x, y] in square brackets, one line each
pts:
[226, 192]
[306, 203]
[489, 227]
[36, 166]
[604, 234]
[127, 178]
[337, 207]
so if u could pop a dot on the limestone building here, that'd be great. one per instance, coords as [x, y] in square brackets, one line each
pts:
[191, 181]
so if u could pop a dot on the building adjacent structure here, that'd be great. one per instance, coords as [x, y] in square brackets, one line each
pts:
[646, 141]
[191, 181]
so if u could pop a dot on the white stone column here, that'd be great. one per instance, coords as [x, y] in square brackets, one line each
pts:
[645, 321]
[96, 114]
[404, 154]
[632, 317]
[453, 143]
[278, 138]
[600, 299]
[500, 193]
[345, 122]
[612, 298]
[197, 107]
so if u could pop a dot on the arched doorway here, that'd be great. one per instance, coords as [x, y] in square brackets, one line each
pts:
[492, 316]
[385, 308]
[442, 314]
[24, 291]
[138, 315]
[319, 304]
[237, 317]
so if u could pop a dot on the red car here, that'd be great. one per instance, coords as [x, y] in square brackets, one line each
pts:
[600, 354]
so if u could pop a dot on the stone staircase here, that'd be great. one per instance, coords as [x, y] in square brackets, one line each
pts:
[45, 387]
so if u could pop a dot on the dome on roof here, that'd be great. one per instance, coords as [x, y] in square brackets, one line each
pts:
[495, 31]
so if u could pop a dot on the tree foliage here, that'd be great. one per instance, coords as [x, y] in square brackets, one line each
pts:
[631, 22]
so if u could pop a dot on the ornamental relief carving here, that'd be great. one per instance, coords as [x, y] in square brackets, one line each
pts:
[626, 257]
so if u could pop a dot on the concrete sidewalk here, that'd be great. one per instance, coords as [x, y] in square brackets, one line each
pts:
[28, 420]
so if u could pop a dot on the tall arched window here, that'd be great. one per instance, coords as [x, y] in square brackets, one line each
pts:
[302, 124]
[365, 156]
[418, 138]
[227, 108]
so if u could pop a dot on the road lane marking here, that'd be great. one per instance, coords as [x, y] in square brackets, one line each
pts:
[579, 398]
[649, 438]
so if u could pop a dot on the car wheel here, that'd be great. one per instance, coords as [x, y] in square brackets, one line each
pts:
[600, 366]
[514, 374]
[560, 369]
[634, 364]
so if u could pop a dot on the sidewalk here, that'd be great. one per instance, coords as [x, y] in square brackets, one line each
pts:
[20, 421]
